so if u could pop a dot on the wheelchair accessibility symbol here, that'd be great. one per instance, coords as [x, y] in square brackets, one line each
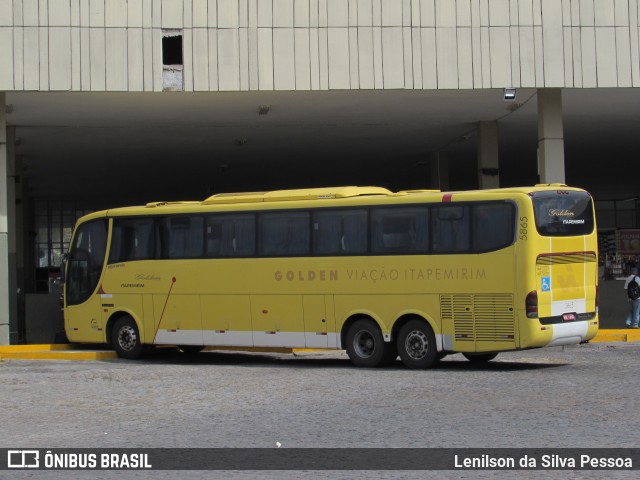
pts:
[546, 284]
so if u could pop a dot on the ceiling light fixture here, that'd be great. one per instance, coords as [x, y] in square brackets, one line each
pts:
[509, 94]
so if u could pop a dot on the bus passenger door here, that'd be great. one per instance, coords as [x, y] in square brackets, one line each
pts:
[84, 322]
[83, 294]
[315, 321]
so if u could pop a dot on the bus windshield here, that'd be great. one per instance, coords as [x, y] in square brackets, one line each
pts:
[563, 213]
[85, 261]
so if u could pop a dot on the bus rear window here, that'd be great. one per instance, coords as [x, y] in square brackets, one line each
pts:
[563, 213]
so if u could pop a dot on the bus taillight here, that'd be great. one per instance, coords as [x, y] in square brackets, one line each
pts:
[532, 304]
[597, 297]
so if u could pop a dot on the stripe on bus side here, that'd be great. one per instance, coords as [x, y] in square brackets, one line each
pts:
[248, 338]
[235, 338]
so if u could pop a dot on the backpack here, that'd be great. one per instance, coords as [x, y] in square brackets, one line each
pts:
[633, 290]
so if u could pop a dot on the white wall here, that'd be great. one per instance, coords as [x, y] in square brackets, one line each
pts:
[115, 45]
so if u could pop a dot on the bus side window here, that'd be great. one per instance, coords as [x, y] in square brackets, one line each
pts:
[214, 237]
[244, 235]
[284, 233]
[340, 232]
[184, 237]
[451, 229]
[400, 230]
[132, 239]
[231, 235]
[493, 226]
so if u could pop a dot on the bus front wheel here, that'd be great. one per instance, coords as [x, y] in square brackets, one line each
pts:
[480, 357]
[417, 344]
[125, 338]
[365, 344]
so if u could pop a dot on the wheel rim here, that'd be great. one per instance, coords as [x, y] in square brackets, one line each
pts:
[127, 338]
[416, 345]
[364, 344]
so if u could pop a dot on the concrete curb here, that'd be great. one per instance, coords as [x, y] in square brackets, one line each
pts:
[618, 335]
[70, 352]
[53, 352]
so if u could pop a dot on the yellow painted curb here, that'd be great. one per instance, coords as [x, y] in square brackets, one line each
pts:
[610, 337]
[59, 355]
[618, 335]
[34, 348]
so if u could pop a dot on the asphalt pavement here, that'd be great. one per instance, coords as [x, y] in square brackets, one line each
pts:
[582, 396]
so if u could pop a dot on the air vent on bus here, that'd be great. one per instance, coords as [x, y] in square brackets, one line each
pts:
[480, 317]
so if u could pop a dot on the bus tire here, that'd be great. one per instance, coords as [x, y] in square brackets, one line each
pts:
[125, 338]
[480, 357]
[417, 344]
[365, 344]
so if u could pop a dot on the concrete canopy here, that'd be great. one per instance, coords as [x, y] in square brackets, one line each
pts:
[111, 149]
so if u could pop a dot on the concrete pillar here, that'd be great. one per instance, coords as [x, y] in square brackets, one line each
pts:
[550, 136]
[488, 173]
[16, 322]
[4, 228]
[12, 234]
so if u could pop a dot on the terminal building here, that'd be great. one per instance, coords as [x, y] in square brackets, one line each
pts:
[105, 103]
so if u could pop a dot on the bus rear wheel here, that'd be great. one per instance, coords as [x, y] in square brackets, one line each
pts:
[417, 344]
[480, 357]
[125, 338]
[365, 344]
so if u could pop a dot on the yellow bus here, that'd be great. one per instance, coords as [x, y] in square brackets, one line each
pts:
[416, 274]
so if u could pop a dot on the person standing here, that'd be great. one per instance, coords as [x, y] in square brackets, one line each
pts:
[632, 286]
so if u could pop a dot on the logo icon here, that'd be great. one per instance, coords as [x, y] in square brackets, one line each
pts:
[546, 284]
[556, 212]
[23, 458]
